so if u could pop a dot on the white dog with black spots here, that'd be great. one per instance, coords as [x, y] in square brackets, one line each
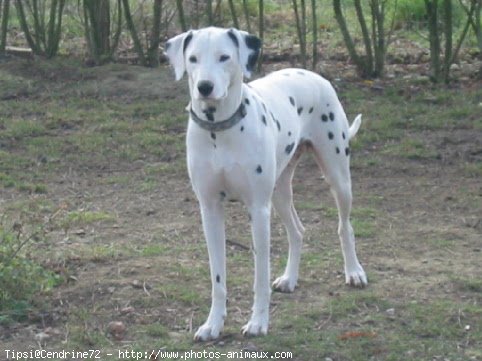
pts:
[244, 142]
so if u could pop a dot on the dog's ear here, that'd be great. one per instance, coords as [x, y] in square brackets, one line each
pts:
[175, 49]
[249, 47]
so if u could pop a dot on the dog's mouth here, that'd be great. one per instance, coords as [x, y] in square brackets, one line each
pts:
[210, 100]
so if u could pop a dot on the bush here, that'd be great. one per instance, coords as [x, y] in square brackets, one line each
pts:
[21, 279]
[411, 12]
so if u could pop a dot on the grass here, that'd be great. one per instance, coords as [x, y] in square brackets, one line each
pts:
[21, 278]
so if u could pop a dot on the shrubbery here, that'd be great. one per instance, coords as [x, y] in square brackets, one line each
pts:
[21, 279]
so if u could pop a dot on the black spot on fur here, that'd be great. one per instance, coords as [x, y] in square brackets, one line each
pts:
[289, 134]
[292, 101]
[332, 116]
[337, 150]
[264, 106]
[279, 125]
[246, 100]
[242, 128]
[213, 135]
[210, 116]
[218, 279]
[347, 151]
[233, 37]
[300, 110]
[187, 40]
[300, 72]
[343, 135]
[263, 119]
[289, 148]
[324, 117]
[222, 194]
[259, 170]
[311, 110]
[330, 135]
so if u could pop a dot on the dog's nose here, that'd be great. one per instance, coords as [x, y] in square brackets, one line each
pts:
[205, 87]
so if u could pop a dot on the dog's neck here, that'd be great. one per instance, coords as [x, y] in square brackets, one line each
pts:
[218, 111]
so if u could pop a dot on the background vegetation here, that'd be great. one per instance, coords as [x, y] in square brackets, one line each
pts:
[109, 27]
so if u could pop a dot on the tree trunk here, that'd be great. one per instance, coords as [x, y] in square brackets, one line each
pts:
[448, 39]
[432, 14]
[368, 62]
[474, 20]
[301, 30]
[97, 26]
[478, 25]
[133, 31]
[209, 10]
[54, 27]
[233, 14]
[43, 39]
[153, 51]
[350, 45]
[378, 35]
[4, 10]
[314, 27]
[182, 18]
[246, 15]
[23, 24]
[261, 31]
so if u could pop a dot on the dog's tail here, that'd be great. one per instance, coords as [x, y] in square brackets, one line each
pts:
[354, 127]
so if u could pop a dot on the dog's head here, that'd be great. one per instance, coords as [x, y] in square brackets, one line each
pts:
[213, 58]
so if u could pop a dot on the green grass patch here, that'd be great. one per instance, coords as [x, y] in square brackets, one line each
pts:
[363, 228]
[155, 330]
[468, 284]
[87, 217]
[21, 279]
[83, 218]
[23, 128]
[473, 169]
[155, 249]
[413, 149]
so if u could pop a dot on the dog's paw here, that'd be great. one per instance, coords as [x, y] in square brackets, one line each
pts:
[284, 284]
[208, 331]
[356, 277]
[255, 327]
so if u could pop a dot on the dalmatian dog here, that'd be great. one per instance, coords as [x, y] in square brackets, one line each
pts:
[244, 142]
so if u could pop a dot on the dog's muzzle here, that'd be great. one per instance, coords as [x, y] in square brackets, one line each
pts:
[205, 88]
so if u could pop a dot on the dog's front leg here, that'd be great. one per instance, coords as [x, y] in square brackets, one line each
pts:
[260, 223]
[213, 225]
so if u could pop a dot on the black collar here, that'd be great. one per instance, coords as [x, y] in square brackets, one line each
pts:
[213, 126]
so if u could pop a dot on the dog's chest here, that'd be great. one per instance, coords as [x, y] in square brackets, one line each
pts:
[256, 140]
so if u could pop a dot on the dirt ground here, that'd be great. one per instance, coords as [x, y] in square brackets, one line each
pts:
[418, 221]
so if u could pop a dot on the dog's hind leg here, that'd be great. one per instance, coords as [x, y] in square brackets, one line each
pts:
[332, 153]
[283, 203]
[354, 273]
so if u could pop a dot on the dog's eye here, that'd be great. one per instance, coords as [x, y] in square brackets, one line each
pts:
[192, 59]
[224, 58]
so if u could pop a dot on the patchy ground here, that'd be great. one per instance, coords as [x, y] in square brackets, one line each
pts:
[97, 157]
